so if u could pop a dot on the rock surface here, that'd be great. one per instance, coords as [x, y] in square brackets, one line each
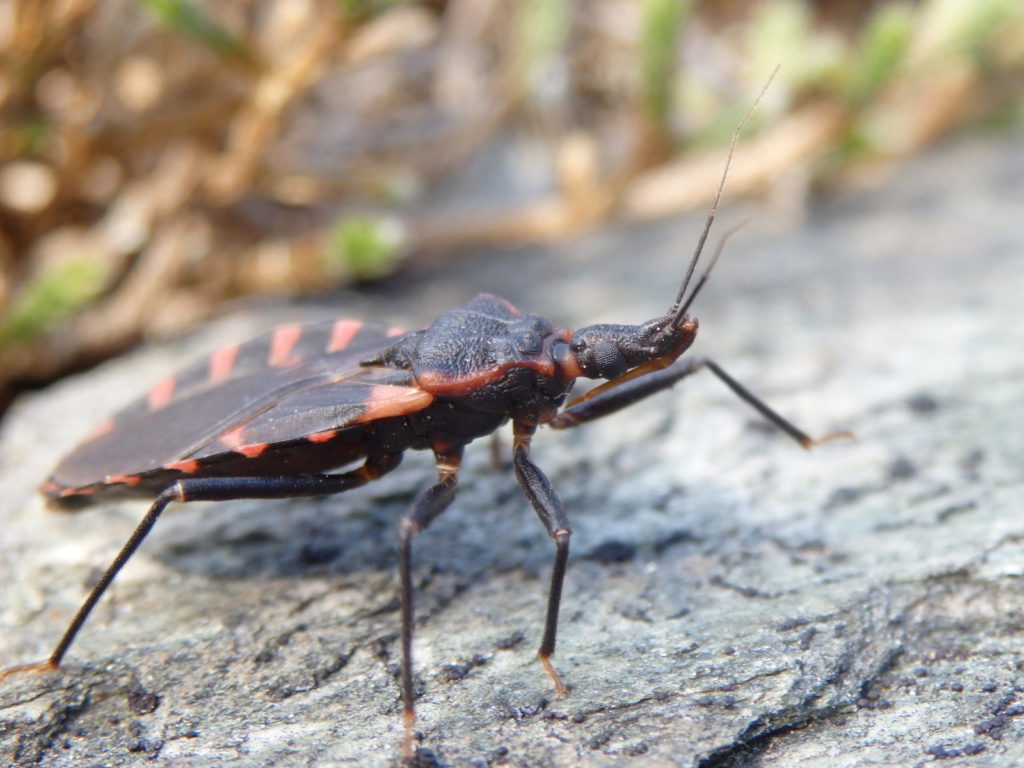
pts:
[731, 599]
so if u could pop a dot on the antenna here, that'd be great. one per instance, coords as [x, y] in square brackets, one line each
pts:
[678, 308]
[681, 312]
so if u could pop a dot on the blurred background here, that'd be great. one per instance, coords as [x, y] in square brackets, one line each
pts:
[161, 157]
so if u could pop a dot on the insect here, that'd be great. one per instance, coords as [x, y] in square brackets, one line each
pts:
[270, 418]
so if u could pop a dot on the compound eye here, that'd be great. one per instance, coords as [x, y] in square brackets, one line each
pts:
[609, 359]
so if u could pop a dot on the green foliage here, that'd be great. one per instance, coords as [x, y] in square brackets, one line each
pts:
[361, 248]
[33, 136]
[883, 47]
[663, 22]
[968, 26]
[782, 34]
[542, 35]
[189, 19]
[358, 10]
[51, 296]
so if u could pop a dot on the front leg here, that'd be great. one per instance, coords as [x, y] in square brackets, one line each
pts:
[549, 509]
[611, 397]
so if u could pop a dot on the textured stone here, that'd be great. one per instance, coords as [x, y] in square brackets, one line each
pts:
[732, 600]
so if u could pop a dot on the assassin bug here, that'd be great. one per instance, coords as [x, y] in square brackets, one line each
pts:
[267, 419]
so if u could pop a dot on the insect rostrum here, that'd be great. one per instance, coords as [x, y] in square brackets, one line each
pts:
[272, 417]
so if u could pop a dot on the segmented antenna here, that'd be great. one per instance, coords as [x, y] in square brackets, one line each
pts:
[679, 307]
[711, 265]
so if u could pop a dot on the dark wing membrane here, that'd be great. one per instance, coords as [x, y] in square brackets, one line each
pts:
[211, 399]
[320, 411]
[282, 347]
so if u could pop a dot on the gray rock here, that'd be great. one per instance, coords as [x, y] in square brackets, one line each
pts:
[732, 600]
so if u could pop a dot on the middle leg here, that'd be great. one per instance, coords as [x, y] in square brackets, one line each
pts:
[549, 509]
[431, 503]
